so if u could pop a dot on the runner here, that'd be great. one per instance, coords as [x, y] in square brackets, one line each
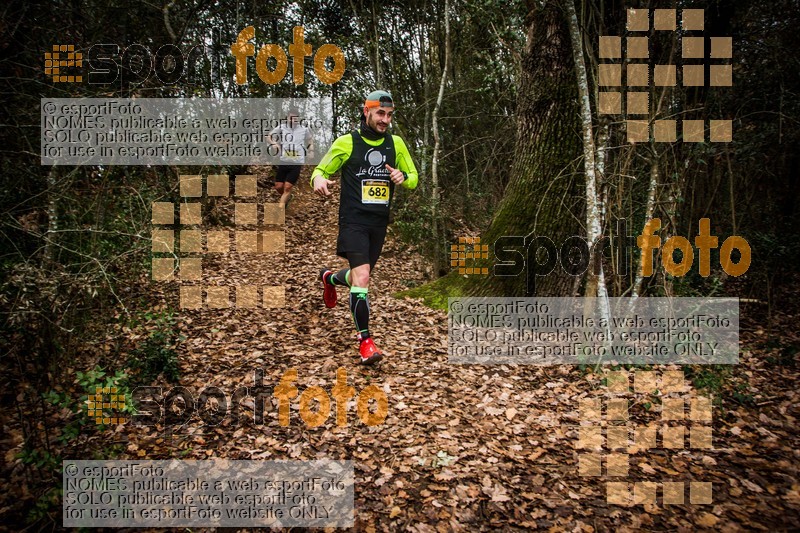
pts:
[372, 161]
[294, 142]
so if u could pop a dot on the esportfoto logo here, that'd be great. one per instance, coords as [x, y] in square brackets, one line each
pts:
[641, 76]
[54, 64]
[249, 237]
[520, 255]
[136, 63]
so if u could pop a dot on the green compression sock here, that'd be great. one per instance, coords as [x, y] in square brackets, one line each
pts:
[359, 308]
[341, 278]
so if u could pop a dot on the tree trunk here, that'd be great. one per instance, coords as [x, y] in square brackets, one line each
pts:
[52, 215]
[543, 195]
[650, 207]
[436, 143]
[593, 222]
[424, 53]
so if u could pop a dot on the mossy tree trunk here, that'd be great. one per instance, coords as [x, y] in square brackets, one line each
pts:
[544, 194]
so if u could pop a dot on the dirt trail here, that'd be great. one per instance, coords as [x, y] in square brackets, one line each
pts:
[462, 447]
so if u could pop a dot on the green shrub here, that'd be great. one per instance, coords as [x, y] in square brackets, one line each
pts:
[157, 355]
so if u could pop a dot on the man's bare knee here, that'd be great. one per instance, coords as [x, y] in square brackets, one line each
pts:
[359, 276]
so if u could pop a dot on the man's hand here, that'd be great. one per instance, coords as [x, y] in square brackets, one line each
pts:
[321, 186]
[396, 175]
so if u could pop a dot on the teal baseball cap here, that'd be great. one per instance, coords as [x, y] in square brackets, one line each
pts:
[379, 99]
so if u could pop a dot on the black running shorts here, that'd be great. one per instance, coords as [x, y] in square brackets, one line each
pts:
[360, 244]
[288, 173]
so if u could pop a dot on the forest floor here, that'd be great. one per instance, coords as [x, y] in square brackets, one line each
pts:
[468, 447]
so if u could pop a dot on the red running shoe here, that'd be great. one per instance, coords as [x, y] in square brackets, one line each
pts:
[329, 291]
[369, 352]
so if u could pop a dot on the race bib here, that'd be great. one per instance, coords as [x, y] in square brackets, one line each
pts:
[291, 154]
[375, 192]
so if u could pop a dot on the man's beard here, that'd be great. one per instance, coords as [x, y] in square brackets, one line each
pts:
[369, 131]
[372, 123]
